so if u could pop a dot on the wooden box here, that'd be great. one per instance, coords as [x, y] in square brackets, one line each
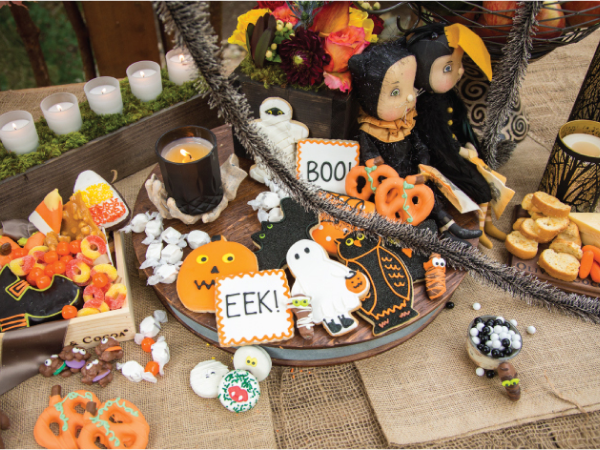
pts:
[120, 324]
[122, 152]
[327, 114]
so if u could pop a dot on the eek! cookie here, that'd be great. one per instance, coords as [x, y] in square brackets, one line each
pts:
[239, 391]
[196, 280]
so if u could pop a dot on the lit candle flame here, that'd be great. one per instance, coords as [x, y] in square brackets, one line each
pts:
[103, 91]
[58, 107]
[181, 58]
[185, 154]
[14, 125]
[142, 73]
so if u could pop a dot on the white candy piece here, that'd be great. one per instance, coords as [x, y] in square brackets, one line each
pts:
[514, 322]
[275, 215]
[480, 326]
[479, 372]
[473, 331]
[500, 318]
[150, 326]
[265, 200]
[166, 273]
[496, 344]
[511, 332]
[133, 371]
[153, 230]
[161, 354]
[254, 359]
[504, 329]
[139, 222]
[263, 216]
[516, 337]
[172, 236]
[531, 329]
[503, 336]
[488, 343]
[494, 337]
[516, 345]
[152, 255]
[476, 306]
[206, 376]
[197, 238]
[497, 329]
[476, 340]
[171, 254]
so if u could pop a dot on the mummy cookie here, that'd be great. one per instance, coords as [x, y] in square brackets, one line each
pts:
[107, 207]
[325, 281]
[239, 391]
[302, 308]
[254, 359]
[206, 377]
[388, 304]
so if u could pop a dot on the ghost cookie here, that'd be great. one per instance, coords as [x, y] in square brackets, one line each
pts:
[206, 377]
[254, 359]
[239, 391]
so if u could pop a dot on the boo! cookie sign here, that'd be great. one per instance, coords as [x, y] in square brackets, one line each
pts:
[326, 162]
[252, 308]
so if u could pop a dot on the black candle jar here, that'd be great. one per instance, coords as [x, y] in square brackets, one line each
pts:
[196, 186]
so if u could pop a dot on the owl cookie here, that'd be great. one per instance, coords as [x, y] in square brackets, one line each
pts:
[254, 359]
[388, 304]
[206, 377]
[325, 282]
[239, 391]
[219, 258]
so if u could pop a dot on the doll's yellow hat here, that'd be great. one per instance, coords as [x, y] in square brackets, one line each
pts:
[460, 36]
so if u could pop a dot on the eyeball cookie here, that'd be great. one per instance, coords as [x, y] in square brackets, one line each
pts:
[239, 391]
[206, 377]
[254, 359]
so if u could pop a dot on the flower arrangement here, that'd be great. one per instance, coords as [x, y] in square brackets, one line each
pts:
[304, 44]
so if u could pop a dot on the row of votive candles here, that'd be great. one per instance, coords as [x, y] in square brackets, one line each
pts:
[61, 110]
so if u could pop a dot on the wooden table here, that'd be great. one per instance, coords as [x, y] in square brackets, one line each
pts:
[237, 223]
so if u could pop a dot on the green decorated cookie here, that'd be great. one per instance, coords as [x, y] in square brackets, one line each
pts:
[239, 391]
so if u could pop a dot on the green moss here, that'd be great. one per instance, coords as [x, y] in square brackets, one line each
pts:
[271, 75]
[94, 125]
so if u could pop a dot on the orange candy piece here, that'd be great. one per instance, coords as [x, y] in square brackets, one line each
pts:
[147, 344]
[153, 367]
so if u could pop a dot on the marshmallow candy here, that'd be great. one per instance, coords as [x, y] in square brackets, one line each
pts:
[197, 238]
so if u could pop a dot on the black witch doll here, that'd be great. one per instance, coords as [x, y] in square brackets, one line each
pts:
[383, 82]
[443, 125]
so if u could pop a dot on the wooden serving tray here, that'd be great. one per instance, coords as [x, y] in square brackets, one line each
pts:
[579, 286]
[237, 223]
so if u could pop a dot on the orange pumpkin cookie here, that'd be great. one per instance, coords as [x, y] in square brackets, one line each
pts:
[411, 204]
[219, 258]
[362, 182]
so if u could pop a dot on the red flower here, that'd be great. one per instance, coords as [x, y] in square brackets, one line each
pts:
[284, 14]
[269, 5]
[378, 28]
[238, 394]
[303, 58]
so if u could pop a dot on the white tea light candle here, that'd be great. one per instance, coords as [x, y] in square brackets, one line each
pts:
[62, 113]
[181, 67]
[104, 95]
[186, 150]
[144, 79]
[584, 144]
[18, 133]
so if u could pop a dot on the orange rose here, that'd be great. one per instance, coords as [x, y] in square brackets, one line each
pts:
[284, 14]
[342, 45]
[332, 17]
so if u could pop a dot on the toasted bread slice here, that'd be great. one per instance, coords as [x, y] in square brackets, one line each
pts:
[520, 246]
[535, 215]
[528, 230]
[550, 205]
[561, 246]
[571, 234]
[547, 228]
[526, 202]
[561, 266]
[517, 224]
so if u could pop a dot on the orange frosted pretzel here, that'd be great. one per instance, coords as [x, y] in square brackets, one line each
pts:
[117, 424]
[397, 199]
[372, 177]
[62, 412]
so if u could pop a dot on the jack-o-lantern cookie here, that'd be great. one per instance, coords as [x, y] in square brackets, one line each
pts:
[219, 258]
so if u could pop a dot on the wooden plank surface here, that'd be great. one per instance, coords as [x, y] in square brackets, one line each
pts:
[237, 223]
[530, 266]
[121, 33]
[127, 151]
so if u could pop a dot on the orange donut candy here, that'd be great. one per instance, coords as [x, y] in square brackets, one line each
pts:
[412, 206]
[372, 180]
[116, 424]
[78, 271]
[63, 412]
[93, 247]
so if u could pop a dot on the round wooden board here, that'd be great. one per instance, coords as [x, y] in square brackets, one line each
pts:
[237, 223]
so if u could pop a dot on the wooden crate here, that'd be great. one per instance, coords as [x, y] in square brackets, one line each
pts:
[327, 114]
[120, 324]
[126, 151]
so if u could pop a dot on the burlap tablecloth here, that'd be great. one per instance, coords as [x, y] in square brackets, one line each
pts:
[421, 394]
